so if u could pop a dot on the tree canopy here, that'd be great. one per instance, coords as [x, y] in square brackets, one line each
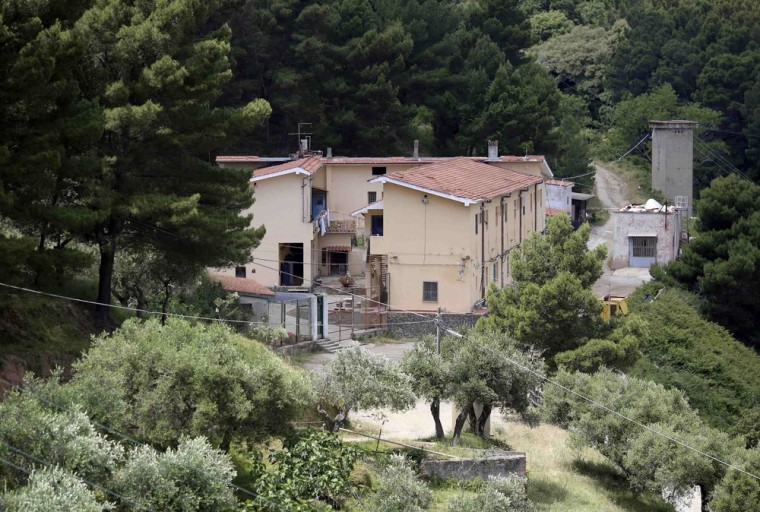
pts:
[722, 261]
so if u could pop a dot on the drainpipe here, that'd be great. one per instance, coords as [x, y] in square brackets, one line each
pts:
[520, 214]
[503, 210]
[482, 251]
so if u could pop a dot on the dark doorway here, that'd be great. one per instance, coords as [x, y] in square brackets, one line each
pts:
[338, 263]
[291, 264]
[377, 225]
[318, 202]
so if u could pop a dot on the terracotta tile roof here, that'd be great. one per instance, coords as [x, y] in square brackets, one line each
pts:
[389, 160]
[555, 211]
[465, 178]
[309, 164]
[241, 284]
[561, 183]
[337, 248]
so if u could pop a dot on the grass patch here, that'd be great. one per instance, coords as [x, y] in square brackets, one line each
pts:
[636, 175]
[597, 214]
[561, 479]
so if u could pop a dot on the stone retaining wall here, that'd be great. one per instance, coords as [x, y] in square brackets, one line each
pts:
[399, 323]
[504, 464]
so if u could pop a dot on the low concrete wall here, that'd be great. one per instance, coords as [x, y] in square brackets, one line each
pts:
[298, 348]
[408, 325]
[503, 464]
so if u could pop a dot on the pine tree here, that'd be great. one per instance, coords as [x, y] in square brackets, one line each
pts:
[157, 72]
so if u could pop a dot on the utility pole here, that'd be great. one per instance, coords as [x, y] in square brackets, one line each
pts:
[438, 331]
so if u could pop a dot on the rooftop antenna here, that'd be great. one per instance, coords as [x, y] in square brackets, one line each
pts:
[299, 133]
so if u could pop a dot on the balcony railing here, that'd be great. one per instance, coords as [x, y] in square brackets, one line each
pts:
[334, 222]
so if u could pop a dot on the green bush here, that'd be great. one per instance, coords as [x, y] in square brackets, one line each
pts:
[498, 494]
[399, 489]
[719, 375]
[179, 379]
[52, 490]
[311, 469]
[64, 439]
[194, 477]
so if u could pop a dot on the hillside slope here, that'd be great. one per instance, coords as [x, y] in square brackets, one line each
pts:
[720, 375]
[39, 333]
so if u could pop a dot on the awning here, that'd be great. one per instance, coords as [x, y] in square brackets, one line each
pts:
[337, 248]
[642, 235]
[378, 205]
[577, 196]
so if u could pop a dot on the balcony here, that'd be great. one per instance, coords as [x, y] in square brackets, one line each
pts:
[334, 222]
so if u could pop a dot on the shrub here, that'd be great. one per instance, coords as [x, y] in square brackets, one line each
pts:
[194, 477]
[184, 379]
[52, 490]
[399, 489]
[312, 468]
[66, 439]
[499, 494]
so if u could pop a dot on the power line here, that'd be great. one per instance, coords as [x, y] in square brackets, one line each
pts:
[608, 409]
[91, 484]
[633, 148]
[378, 438]
[127, 308]
[720, 157]
[589, 400]
[190, 317]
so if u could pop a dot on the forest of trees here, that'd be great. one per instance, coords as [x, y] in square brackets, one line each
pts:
[113, 110]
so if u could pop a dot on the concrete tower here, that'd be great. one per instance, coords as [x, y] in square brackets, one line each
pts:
[673, 159]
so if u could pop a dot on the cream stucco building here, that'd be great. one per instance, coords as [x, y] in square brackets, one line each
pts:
[448, 228]
[320, 215]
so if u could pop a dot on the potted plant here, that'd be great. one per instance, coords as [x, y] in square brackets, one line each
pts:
[346, 280]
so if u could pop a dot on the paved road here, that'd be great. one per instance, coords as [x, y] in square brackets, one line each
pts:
[613, 194]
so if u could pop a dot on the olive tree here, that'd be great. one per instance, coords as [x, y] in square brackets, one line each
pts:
[429, 371]
[166, 381]
[52, 490]
[358, 379]
[488, 367]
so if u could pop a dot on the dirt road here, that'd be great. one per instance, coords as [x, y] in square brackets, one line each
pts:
[613, 193]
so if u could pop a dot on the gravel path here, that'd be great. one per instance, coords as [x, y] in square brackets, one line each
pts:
[613, 193]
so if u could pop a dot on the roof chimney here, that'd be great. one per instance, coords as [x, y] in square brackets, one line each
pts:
[493, 150]
[329, 153]
[304, 145]
[416, 149]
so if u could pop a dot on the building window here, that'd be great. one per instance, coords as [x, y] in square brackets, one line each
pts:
[239, 271]
[495, 267]
[429, 291]
[644, 247]
[477, 221]
[378, 171]
[371, 197]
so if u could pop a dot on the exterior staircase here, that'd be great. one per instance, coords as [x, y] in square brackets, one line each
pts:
[332, 346]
